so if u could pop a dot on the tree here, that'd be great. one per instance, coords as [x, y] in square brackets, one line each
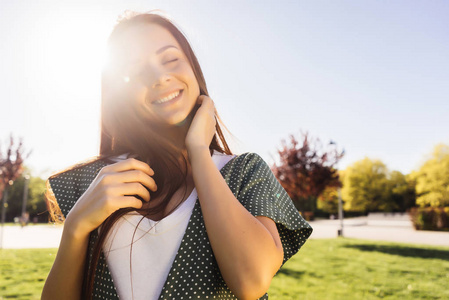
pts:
[306, 168]
[11, 166]
[365, 186]
[328, 200]
[369, 186]
[402, 189]
[35, 205]
[432, 179]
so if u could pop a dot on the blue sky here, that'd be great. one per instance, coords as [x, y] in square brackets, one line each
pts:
[370, 75]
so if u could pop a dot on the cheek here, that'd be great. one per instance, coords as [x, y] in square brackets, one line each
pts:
[193, 86]
[132, 89]
[189, 78]
[139, 95]
[135, 94]
[195, 91]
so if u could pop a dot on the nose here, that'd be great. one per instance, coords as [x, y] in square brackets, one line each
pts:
[159, 78]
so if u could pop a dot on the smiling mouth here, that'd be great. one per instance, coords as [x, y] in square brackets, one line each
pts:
[169, 99]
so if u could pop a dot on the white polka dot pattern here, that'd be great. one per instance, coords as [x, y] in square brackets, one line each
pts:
[194, 273]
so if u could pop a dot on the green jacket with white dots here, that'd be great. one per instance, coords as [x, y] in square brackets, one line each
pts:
[194, 273]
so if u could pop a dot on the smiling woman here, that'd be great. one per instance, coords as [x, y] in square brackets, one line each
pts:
[159, 74]
[167, 210]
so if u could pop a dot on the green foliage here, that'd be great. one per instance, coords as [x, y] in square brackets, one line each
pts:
[35, 204]
[402, 190]
[432, 179]
[328, 200]
[368, 185]
[365, 185]
[430, 218]
[36, 200]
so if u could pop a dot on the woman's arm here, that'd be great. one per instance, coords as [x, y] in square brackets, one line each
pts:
[247, 248]
[108, 192]
[66, 275]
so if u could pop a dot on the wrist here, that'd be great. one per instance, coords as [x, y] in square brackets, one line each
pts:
[198, 152]
[73, 229]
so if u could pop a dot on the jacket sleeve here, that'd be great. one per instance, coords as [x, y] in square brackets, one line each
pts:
[262, 195]
[65, 190]
[68, 186]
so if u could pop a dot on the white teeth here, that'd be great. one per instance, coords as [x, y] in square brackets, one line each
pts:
[168, 98]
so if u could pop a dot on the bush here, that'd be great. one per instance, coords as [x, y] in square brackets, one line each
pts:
[430, 218]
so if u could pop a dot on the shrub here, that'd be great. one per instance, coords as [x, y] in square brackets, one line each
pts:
[430, 218]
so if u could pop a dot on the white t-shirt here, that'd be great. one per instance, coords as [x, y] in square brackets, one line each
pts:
[155, 245]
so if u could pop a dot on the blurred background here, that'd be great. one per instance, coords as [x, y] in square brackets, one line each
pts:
[359, 86]
[371, 76]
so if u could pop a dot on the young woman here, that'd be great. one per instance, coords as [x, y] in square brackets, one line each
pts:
[166, 211]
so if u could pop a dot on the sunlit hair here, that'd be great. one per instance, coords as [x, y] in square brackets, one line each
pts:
[125, 130]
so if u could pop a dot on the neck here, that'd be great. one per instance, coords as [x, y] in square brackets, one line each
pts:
[177, 133]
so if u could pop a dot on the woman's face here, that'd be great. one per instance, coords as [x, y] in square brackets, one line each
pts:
[157, 75]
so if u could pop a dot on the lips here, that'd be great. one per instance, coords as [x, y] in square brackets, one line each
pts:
[168, 98]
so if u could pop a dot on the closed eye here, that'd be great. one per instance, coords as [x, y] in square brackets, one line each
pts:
[170, 61]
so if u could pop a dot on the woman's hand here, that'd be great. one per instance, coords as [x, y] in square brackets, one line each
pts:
[202, 128]
[111, 190]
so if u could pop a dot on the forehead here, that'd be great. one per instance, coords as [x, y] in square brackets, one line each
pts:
[146, 39]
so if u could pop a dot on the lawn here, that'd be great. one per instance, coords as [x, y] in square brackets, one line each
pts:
[323, 269]
[23, 272]
[359, 269]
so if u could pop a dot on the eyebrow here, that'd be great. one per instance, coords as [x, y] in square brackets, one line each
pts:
[157, 52]
[165, 48]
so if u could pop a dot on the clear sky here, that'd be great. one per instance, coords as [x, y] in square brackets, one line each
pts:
[370, 75]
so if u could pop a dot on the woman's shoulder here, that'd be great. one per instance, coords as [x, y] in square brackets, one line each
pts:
[248, 160]
[247, 164]
[242, 157]
[88, 166]
[249, 156]
[82, 167]
[66, 186]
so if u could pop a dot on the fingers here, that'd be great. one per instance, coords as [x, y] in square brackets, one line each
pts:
[126, 165]
[116, 186]
[130, 201]
[132, 188]
[206, 101]
[128, 178]
[207, 104]
[134, 176]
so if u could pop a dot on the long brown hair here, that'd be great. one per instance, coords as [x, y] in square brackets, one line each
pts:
[124, 130]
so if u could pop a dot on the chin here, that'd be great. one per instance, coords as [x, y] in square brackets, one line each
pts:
[182, 123]
[181, 120]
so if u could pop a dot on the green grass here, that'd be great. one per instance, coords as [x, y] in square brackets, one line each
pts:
[11, 224]
[323, 269]
[359, 269]
[23, 272]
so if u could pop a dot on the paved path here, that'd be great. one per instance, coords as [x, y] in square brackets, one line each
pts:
[31, 236]
[48, 236]
[400, 231]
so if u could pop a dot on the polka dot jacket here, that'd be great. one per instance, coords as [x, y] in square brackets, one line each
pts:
[194, 273]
